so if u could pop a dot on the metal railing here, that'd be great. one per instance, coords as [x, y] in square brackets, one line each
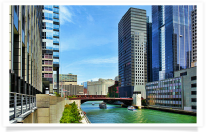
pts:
[22, 98]
[20, 104]
[84, 115]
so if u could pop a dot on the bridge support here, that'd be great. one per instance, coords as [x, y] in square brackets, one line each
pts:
[137, 99]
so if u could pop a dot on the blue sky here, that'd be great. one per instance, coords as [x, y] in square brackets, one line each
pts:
[89, 40]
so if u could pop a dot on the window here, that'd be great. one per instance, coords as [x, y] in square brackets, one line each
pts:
[194, 107]
[193, 93]
[193, 78]
[193, 100]
[183, 73]
[193, 85]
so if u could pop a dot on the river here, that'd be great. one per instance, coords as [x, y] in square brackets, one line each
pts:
[117, 114]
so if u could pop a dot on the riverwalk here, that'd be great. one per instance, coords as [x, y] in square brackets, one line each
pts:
[85, 119]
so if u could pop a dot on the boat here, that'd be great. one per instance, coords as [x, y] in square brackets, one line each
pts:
[102, 105]
[92, 103]
[131, 108]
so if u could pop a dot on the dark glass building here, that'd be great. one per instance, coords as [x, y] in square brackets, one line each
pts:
[132, 52]
[171, 40]
[149, 50]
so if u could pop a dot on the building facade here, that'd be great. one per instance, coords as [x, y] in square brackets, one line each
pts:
[149, 51]
[70, 89]
[64, 79]
[165, 93]
[178, 92]
[25, 44]
[50, 45]
[132, 52]
[114, 90]
[194, 37]
[99, 87]
[171, 40]
[189, 87]
[25, 79]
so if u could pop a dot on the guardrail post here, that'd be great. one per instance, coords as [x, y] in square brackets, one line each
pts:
[21, 104]
[26, 102]
[15, 101]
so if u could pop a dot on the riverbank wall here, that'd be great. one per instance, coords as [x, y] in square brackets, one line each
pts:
[173, 110]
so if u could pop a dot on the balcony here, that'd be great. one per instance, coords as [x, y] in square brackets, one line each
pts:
[48, 76]
[48, 56]
[48, 69]
[48, 63]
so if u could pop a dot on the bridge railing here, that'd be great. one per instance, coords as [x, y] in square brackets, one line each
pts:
[90, 96]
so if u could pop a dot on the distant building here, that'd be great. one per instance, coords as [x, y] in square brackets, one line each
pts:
[178, 92]
[116, 78]
[72, 89]
[114, 90]
[84, 84]
[85, 91]
[64, 79]
[99, 87]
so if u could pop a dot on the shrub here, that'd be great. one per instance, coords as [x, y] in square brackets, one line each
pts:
[58, 95]
[70, 114]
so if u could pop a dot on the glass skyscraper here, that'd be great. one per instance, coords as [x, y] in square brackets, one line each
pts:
[50, 45]
[171, 40]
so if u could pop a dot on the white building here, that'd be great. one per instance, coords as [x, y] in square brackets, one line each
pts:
[99, 87]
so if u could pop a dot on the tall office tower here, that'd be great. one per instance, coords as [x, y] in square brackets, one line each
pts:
[50, 45]
[132, 52]
[25, 74]
[25, 48]
[149, 50]
[194, 37]
[171, 40]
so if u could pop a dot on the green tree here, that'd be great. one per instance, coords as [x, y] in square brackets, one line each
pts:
[71, 114]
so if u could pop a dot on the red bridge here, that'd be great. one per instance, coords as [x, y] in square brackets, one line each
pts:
[85, 98]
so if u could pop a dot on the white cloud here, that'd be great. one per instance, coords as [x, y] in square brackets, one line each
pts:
[65, 15]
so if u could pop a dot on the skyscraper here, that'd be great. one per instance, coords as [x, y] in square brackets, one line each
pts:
[194, 37]
[25, 49]
[171, 40]
[50, 45]
[149, 50]
[132, 52]
[25, 71]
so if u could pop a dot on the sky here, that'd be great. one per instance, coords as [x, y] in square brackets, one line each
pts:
[89, 40]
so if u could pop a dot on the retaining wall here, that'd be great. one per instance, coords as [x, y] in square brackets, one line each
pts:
[49, 109]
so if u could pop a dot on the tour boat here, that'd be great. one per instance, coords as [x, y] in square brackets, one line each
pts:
[131, 108]
[92, 103]
[102, 105]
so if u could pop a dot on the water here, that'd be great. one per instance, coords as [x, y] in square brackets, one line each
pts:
[117, 114]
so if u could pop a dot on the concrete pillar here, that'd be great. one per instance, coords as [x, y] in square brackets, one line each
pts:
[53, 109]
[43, 111]
[137, 99]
